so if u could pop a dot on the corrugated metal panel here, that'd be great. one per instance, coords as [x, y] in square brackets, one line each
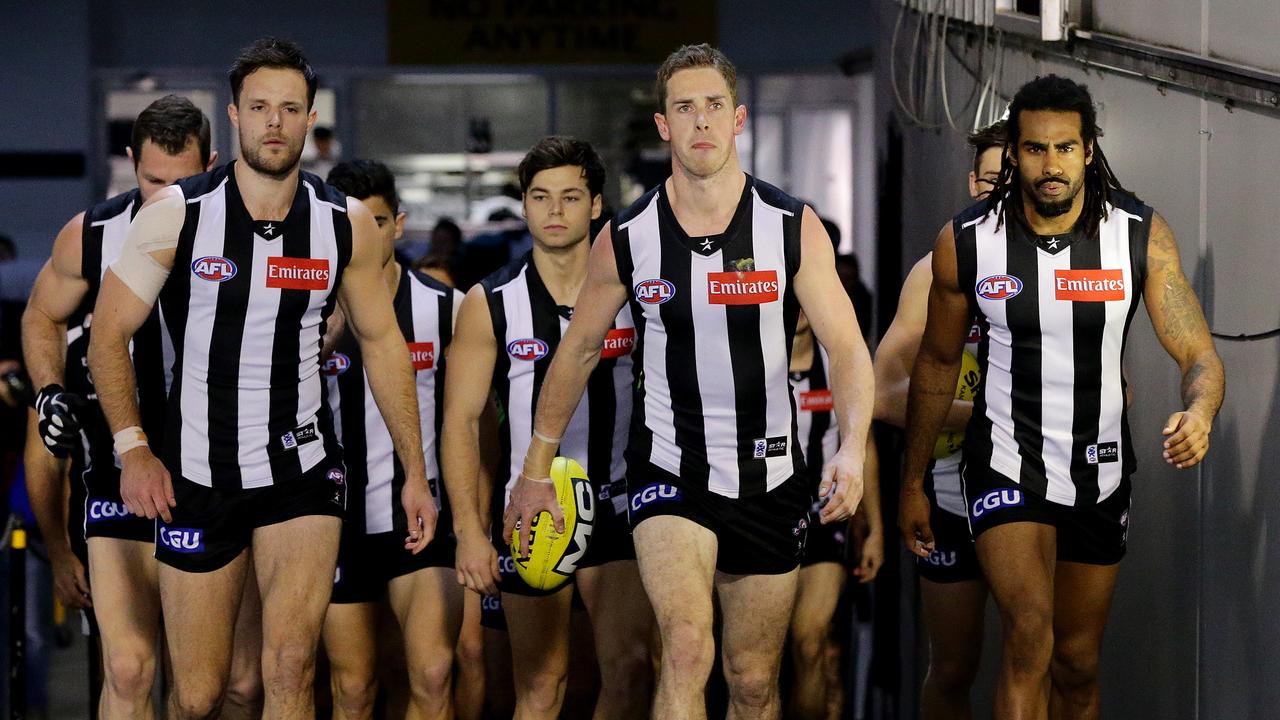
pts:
[1246, 32]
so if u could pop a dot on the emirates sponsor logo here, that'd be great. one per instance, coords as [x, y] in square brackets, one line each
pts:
[1088, 285]
[754, 287]
[816, 401]
[618, 343]
[423, 355]
[290, 273]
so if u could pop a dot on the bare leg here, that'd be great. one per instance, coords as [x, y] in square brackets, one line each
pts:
[817, 594]
[953, 618]
[199, 614]
[244, 691]
[428, 604]
[469, 687]
[539, 632]
[350, 643]
[1082, 599]
[126, 595]
[756, 611]
[622, 621]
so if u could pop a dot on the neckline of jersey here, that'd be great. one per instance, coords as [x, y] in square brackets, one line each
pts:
[718, 240]
[297, 210]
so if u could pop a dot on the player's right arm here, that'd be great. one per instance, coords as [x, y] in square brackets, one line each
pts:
[58, 291]
[129, 290]
[896, 354]
[46, 482]
[601, 297]
[932, 389]
[472, 355]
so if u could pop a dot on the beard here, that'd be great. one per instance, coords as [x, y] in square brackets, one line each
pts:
[1049, 208]
[276, 167]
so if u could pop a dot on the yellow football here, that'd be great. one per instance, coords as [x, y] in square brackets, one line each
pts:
[553, 556]
[949, 443]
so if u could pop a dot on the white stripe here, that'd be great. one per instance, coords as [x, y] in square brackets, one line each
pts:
[992, 260]
[254, 376]
[1057, 378]
[649, 215]
[715, 377]
[519, 314]
[768, 250]
[324, 244]
[210, 239]
[645, 245]
[426, 328]
[216, 191]
[575, 443]
[379, 461]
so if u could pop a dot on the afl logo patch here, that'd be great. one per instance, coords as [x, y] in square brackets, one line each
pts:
[336, 364]
[998, 287]
[528, 349]
[213, 268]
[655, 291]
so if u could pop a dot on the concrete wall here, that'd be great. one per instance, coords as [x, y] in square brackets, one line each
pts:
[1190, 634]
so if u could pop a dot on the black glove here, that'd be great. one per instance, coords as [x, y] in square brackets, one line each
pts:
[59, 427]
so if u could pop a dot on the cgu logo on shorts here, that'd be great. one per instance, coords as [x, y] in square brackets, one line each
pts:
[183, 540]
[529, 349]
[213, 268]
[1088, 285]
[491, 603]
[336, 365]
[998, 287]
[816, 401]
[619, 342]
[995, 500]
[107, 510]
[423, 355]
[506, 564]
[754, 287]
[291, 273]
[655, 291]
[940, 558]
[657, 492]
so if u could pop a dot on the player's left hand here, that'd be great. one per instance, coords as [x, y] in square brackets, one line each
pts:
[1186, 439]
[872, 556]
[844, 471]
[420, 512]
[529, 498]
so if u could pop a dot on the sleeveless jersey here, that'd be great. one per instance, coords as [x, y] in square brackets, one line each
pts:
[715, 317]
[246, 305]
[425, 310]
[528, 325]
[816, 425]
[1050, 412]
[102, 237]
[942, 483]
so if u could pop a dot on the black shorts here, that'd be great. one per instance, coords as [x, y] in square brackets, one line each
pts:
[211, 526]
[1094, 535]
[954, 558]
[367, 563]
[827, 544]
[491, 614]
[761, 535]
[610, 541]
[104, 512]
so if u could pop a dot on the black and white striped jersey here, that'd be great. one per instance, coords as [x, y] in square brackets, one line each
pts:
[816, 424]
[102, 237]
[528, 325]
[1055, 312]
[425, 311]
[246, 305]
[942, 482]
[714, 317]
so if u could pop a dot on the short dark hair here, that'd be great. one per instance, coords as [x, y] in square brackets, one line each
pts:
[171, 123]
[365, 178]
[985, 138]
[271, 52]
[1056, 93]
[560, 151]
[695, 56]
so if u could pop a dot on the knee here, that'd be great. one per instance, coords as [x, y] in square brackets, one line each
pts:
[544, 691]
[431, 679]
[953, 675]
[1075, 667]
[245, 689]
[1029, 637]
[626, 668]
[688, 650]
[470, 650]
[354, 692]
[129, 673]
[752, 683]
[808, 646]
[198, 702]
[288, 667]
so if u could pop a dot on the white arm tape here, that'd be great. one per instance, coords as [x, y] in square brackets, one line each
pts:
[128, 439]
[155, 228]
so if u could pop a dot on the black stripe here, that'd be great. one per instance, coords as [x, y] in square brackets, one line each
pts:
[175, 303]
[1023, 314]
[284, 396]
[355, 442]
[791, 226]
[746, 357]
[1139, 236]
[546, 327]
[502, 388]
[91, 256]
[1088, 324]
[977, 440]
[226, 343]
[820, 422]
[602, 417]
[676, 267]
[639, 437]
[444, 308]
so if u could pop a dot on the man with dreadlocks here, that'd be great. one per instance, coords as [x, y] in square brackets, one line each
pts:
[1053, 264]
